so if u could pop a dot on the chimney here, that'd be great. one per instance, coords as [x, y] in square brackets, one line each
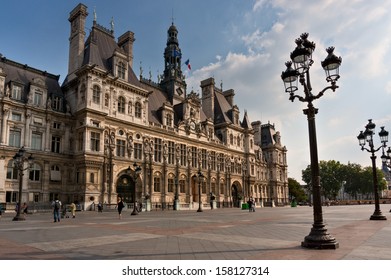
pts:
[77, 18]
[125, 42]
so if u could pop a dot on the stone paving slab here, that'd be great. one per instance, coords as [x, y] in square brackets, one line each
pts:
[219, 234]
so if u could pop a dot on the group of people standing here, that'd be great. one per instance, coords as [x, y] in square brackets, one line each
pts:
[59, 211]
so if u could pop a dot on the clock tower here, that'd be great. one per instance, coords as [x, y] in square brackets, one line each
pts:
[173, 80]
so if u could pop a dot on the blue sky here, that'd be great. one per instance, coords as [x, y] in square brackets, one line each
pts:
[244, 45]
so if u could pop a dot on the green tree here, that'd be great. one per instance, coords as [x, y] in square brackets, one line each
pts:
[296, 190]
[331, 178]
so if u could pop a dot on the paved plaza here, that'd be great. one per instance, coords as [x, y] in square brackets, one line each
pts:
[219, 234]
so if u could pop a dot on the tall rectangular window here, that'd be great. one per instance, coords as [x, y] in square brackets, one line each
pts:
[170, 185]
[182, 186]
[194, 157]
[138, 151]
[37, 98]
[203, 159]
[14, 138]
[17, 92]
[171, 152]
[95, 141]
[156, 184]
[120, 148]
[221, 162]
[57, 103]
[183, 155]
[213, 160]
[56, 141]
[36, 141]
[158, 150]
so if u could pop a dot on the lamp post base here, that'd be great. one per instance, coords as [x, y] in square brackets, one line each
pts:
[200, 210]
[19, 218]
[319, 239]
[134, 212]
[377, 215]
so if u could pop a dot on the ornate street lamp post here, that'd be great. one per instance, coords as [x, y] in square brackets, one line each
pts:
[176, 198]
[19, 160]
[302, 61]
[367, 136]
[200, 177]
[386, 159]
[137, 171]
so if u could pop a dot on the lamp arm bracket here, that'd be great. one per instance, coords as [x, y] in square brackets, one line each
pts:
[333, 87]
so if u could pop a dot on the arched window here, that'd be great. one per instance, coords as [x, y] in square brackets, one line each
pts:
[121, 70]
[12, 171]
[35, 173]
[121, 105]
[231, 139]
[96, 94]
[137, 110]
[238, 141]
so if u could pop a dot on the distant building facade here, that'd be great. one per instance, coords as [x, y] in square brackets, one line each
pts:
[88, 135]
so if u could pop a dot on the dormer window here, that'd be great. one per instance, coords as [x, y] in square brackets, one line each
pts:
[57, 103]
[17, 92]
[169, 120]
[38, 98]
[121, 70]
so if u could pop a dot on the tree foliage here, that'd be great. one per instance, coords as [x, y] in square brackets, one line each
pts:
[353, 177]
[296, 191]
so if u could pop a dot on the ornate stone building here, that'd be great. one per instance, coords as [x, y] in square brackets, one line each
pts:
[89, 135]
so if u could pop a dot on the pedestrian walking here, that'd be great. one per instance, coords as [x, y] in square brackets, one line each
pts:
[56, 204]
[120, 206]
[100, 207]
[25, 208]
[250, 205]
[72, 207]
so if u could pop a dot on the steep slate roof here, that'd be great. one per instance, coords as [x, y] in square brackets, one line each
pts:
[246, 122]
[222, 108]
[99, 49]
[25, 74]
[155, 100]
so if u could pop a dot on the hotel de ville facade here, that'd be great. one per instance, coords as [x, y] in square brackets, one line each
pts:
[90, 135]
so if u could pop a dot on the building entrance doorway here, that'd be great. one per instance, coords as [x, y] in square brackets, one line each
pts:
[126, 188]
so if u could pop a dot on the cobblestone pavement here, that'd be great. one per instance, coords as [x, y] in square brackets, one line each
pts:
[219, 234]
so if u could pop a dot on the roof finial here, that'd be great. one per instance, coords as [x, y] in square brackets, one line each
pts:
[112, 24]
[95, 15]
[172, 17]
[141, 70]
[221, 85]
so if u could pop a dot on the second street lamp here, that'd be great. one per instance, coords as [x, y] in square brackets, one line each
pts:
[200, 177]
[367, 137]
[19, 160]
[137, 171]
[302, 60]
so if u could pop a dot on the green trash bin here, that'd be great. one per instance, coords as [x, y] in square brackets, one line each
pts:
[293, 204]
[244, 206]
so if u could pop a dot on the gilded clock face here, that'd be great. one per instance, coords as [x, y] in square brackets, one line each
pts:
[192, 125]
